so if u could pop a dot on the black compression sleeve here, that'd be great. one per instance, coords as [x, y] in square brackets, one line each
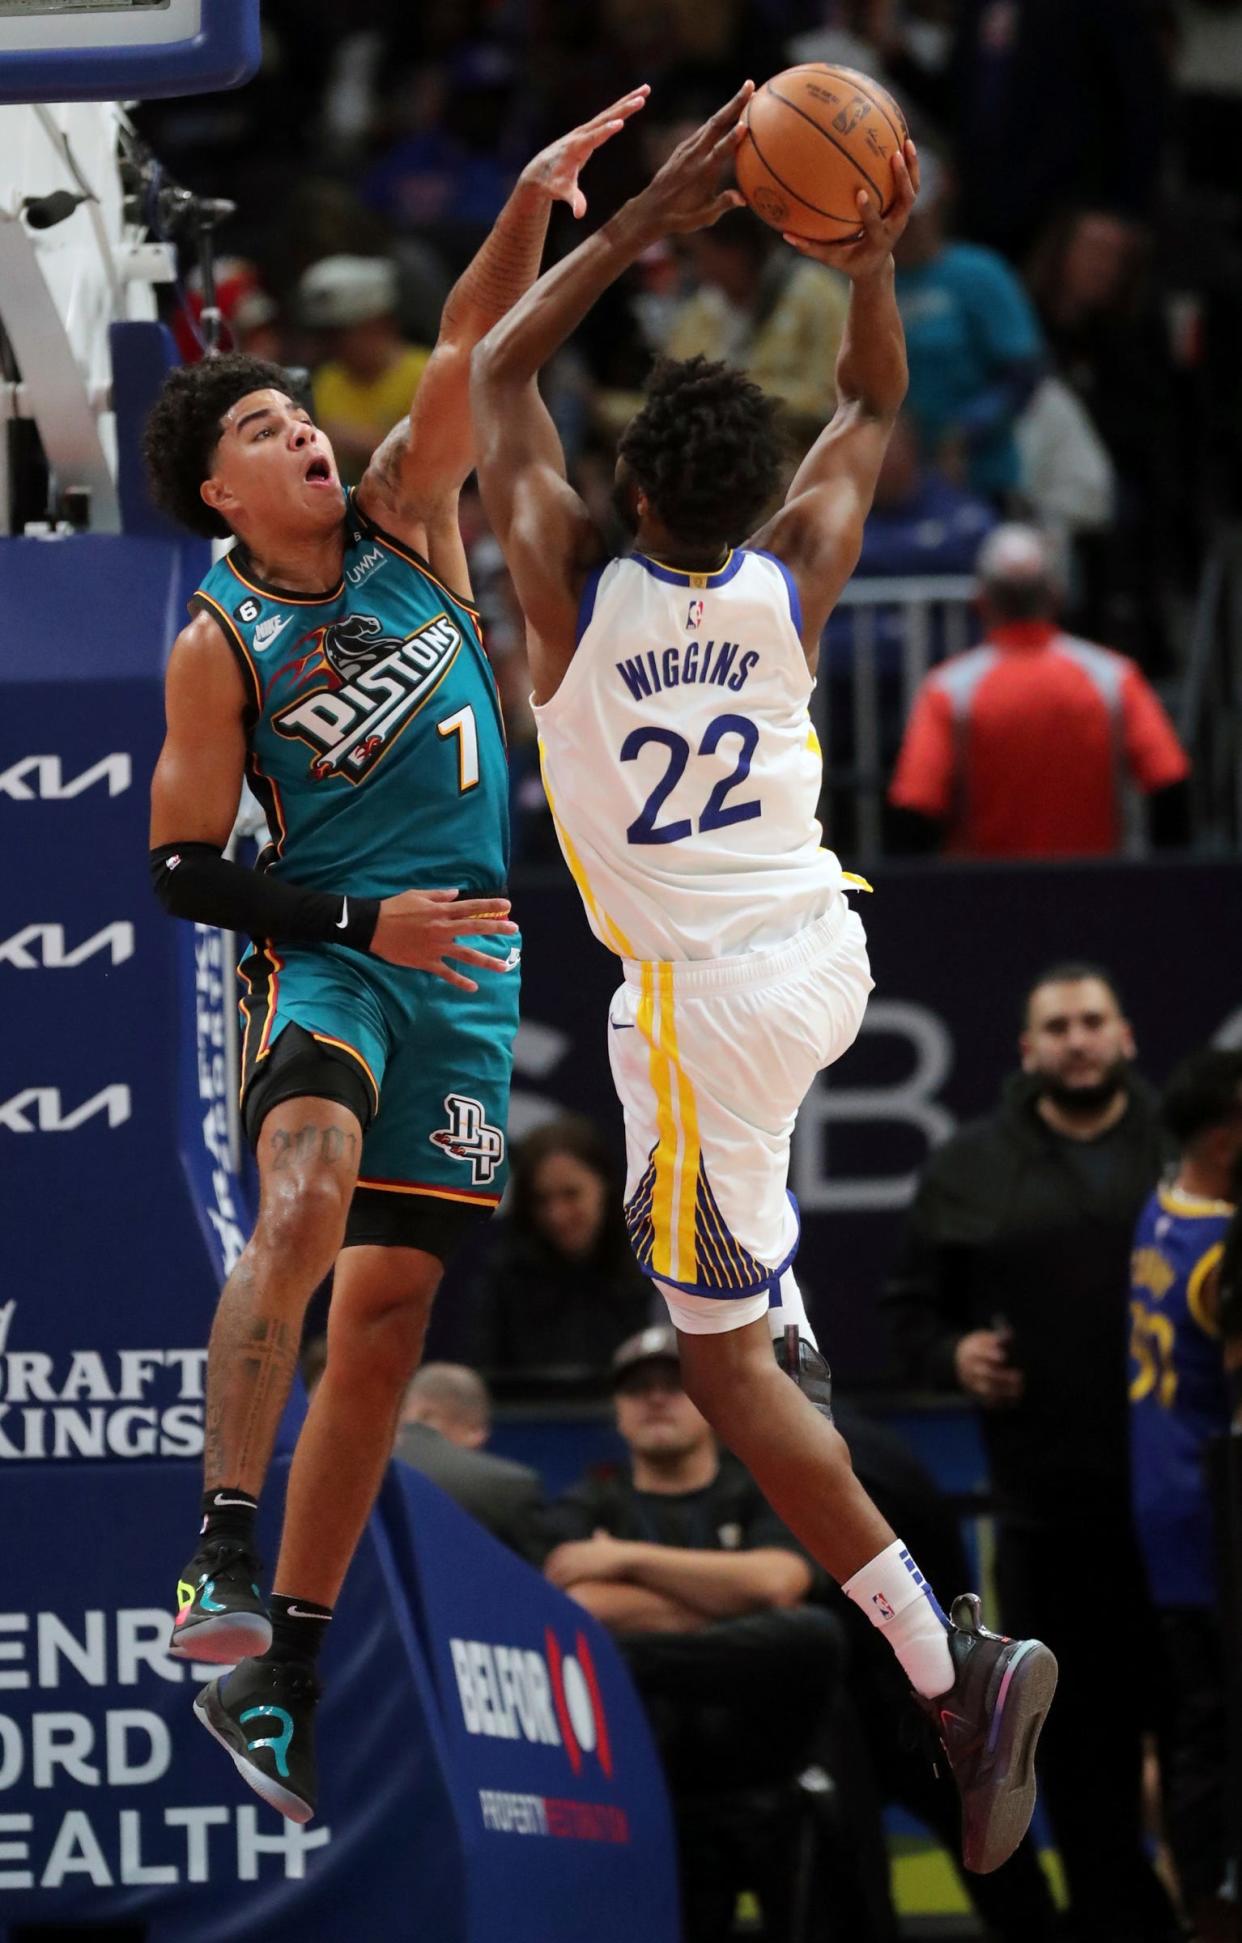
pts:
[193, 880]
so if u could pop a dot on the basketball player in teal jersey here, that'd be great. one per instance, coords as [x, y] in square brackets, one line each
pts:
[334, 662]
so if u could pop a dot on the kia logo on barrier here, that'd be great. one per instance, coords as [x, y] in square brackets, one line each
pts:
[42, 778]
[49, 1115]
[551, 1698]
[41, 947]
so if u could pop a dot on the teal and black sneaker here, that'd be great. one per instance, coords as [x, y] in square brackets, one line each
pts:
[221, 1616]
[263, 1713]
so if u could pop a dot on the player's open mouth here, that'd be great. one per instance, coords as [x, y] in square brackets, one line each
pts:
[318, 473]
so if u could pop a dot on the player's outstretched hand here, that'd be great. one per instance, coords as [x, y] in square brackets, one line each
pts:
[863, 255]
[688, 192]
[556, 168]
[421, 929]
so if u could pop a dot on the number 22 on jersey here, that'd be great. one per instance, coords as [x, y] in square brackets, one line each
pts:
[717, 811]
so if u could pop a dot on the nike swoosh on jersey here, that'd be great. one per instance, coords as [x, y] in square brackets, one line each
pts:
[343, 921]
[269, 631]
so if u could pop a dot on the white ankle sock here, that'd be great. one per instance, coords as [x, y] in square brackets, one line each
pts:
[897, 1598]
[786, 1306]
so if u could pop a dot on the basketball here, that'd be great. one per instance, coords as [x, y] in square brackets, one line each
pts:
[816, 135]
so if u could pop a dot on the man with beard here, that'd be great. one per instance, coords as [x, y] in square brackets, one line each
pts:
[1012, 1285]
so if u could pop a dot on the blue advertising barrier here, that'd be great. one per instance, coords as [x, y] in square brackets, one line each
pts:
[486, 1771]
[108, 1292]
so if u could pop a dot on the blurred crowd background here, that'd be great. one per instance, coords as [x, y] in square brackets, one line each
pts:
[1071, 287]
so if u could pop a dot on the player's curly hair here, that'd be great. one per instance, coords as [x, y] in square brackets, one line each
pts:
[183, 429]
[705, 449]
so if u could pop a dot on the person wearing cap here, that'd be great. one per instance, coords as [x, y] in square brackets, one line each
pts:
[1026, 745]
[371, 373]
[680, 1536]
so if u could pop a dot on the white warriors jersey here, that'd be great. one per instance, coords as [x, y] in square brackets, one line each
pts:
[681, 764]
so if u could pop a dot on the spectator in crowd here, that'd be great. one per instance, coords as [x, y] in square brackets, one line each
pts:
[767, 310]
[1011, 1287]
[446, 1422]
[1179, 1411]
[972, 341]
[679, 1541]
[1090, 277]
[559, 1287]
[370, 375]
[1024, 746]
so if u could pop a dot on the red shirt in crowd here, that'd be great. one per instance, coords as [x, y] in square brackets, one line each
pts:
[1023, 746]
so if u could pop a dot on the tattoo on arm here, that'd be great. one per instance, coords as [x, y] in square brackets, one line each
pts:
[505, 267]
[310, 1143]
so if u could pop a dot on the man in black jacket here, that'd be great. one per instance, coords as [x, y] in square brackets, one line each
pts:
[1012, 1285]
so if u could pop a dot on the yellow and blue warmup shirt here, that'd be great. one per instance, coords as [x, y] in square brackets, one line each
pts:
[1178, 1395]
[376, 748]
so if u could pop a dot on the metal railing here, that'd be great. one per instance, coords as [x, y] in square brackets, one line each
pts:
[934, 617]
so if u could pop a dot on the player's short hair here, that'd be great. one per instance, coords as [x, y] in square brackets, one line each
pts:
[1204, 1092]
[183, 430]
[705, 449]
[1071, 971]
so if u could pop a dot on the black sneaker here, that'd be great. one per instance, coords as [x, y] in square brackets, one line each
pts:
[801, 1360]
[988, 1723]
[221, 1616]
[262, 1713]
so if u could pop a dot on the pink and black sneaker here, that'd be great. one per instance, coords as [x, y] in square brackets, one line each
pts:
[988, 1723]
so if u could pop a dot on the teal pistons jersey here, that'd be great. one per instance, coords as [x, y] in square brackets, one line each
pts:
[375, 740]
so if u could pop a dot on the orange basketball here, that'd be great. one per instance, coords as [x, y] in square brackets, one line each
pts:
[816, 135]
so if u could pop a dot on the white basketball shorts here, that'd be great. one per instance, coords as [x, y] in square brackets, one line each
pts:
[711, 1061]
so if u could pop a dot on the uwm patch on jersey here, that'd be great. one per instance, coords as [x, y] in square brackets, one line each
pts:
[373, 685]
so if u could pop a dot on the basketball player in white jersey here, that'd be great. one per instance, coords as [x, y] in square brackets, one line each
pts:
[672, 691]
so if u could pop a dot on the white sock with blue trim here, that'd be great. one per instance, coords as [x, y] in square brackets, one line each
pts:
[785, 1306]
[897, 1598]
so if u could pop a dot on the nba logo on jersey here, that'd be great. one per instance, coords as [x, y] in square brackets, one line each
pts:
[694, 613]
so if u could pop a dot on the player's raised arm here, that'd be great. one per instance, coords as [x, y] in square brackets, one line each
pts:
[411, 485]
[545, 531]
[818, 531]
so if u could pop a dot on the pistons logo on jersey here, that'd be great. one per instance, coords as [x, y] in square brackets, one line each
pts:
[469, 1136]
[368, 686]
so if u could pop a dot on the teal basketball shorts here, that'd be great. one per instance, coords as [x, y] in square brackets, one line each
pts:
[425, 1066]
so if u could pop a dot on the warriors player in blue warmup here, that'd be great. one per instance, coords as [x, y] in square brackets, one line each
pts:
[334, 661]
[672, 691]
[1179, 1405]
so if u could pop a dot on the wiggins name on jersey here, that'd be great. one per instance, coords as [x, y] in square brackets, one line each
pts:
[1179, 1398]
[681, 765]
[375, 742]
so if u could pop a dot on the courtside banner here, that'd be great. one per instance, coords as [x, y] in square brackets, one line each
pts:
[106, 1288]
[521, 1805]
[116, 1807]
[560, 1801]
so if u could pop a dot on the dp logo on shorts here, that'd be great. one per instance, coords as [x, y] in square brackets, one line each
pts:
[468, 1136]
